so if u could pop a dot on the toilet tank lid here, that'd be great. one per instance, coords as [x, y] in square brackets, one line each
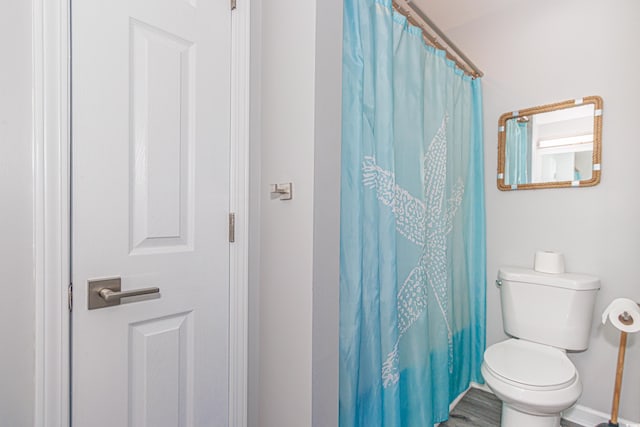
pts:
[578, 282]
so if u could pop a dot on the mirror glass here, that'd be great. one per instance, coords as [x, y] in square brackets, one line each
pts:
[555, 145]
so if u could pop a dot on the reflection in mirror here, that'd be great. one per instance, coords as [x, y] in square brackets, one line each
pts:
[550, 147]
[555, 145]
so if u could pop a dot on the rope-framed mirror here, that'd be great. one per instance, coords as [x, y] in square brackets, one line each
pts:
[551, 146]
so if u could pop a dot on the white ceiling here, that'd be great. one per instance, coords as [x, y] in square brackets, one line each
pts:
[450, 14]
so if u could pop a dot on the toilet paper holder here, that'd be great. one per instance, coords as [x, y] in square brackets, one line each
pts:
[626, 319]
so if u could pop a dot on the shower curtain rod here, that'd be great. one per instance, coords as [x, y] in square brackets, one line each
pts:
[417, 17]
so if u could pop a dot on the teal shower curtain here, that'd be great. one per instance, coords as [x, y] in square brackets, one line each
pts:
[412, 286]
[517, 152]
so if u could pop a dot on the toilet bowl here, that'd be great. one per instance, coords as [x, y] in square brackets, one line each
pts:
[545, 314]
[535, 382]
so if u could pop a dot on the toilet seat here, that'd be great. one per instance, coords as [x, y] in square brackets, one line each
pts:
[530, 366]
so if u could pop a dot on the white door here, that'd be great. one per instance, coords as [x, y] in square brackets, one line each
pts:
[150, 191]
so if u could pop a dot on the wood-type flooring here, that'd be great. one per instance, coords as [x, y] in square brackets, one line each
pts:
[479, 408]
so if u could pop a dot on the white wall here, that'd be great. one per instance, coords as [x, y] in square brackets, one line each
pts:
[541, 52]
[17, 321]
[286, 254]
[326, 217]
[326, 236]
[299, 135]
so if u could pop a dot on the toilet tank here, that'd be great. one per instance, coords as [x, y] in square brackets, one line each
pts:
[551, 309]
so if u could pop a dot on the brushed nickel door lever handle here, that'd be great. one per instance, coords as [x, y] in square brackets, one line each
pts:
[109, 295]
[107, 292]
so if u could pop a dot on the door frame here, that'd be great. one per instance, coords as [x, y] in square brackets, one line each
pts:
[51, 139]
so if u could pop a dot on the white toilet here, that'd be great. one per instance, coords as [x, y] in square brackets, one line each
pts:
[545, 314]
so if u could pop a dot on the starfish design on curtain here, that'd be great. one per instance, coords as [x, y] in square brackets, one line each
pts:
[425, 224]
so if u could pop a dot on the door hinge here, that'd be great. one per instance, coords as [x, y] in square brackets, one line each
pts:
[232, 227]
[70, 296]
[233, 4]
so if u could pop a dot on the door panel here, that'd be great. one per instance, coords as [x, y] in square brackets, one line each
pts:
[162, 93]
[150, 191]
[161, 346]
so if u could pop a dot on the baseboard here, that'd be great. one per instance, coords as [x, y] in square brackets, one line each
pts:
[482, 387]
[457, 400]
[590, 417]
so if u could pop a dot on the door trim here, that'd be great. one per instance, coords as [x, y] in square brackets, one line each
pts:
[50, 59]
[51, 220]
[239, 204]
